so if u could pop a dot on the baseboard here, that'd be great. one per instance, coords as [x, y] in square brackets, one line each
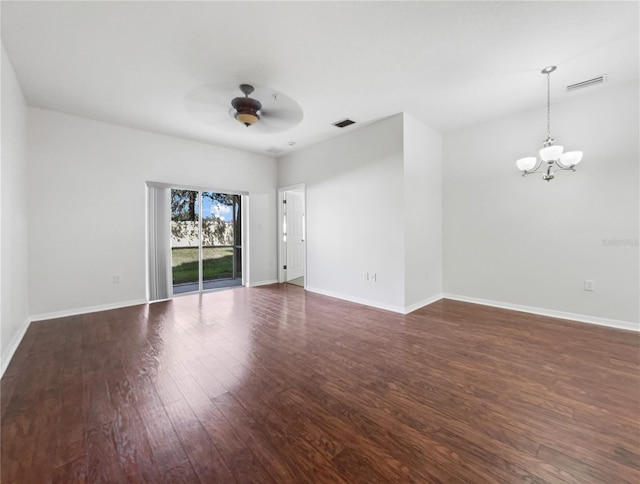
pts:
[13, 346]
[365, 302]
[582, 318]
[262, 283]
[85, 310]
[423, 303]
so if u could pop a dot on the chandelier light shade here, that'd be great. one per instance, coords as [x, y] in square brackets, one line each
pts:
[570, 158]
[551, 155]
[247, 110]
[526, 164]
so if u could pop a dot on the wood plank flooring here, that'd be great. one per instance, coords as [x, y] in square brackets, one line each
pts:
[274, 384]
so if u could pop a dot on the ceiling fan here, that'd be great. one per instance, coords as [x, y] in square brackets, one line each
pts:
[262, 109]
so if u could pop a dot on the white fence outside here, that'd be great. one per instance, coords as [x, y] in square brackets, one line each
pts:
[214, 232]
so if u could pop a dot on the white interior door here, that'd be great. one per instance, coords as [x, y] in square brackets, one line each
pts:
[295, 234]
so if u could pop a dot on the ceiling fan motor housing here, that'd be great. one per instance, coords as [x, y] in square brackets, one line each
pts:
[246, 110]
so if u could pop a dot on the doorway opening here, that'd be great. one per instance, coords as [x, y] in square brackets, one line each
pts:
[292, 235]
[206, 240]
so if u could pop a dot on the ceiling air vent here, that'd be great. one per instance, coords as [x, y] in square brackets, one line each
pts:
[590, 82]
[344, 123]
[274, 150]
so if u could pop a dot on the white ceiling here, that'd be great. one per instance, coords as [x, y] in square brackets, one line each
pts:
[450, 64]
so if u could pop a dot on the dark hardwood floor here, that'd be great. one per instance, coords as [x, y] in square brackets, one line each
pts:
[274, 384]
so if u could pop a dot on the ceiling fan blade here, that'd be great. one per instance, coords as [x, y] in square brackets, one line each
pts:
[212, 118]
[210, 103]
[290, 115]
[273, 125]
[208, 114]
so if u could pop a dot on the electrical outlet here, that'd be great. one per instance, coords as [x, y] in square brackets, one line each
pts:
[366, 276]
[589, 285]
[116, 278]
[374, 277]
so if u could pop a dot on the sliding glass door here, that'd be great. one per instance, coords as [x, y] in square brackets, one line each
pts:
[206, 240]
[221, 239]
[185, 240]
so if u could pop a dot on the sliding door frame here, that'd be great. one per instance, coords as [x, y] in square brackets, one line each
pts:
[244, 242]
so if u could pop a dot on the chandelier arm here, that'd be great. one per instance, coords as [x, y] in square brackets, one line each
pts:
[564, 168]
[534, 170]
[560, 168]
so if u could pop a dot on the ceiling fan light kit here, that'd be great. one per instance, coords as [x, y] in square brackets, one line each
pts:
[552, 155]
[247, 109]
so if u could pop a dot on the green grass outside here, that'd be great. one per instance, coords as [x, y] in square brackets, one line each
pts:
[217, 263]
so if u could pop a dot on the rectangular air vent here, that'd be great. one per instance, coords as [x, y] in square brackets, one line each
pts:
[274, 150]
[343, 123]
[589, 82]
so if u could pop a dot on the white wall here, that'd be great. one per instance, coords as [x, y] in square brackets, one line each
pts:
[354, 212]
[14, 259]
[422, 212]
[529, 242]
[94, 172]
[374, 204]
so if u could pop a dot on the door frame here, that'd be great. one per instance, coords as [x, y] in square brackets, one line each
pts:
[244, 238]
[282, 245]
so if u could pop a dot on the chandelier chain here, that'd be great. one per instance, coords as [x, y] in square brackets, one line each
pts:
[548, 105]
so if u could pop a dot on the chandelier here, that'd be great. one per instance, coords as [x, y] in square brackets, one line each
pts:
[550, 154]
